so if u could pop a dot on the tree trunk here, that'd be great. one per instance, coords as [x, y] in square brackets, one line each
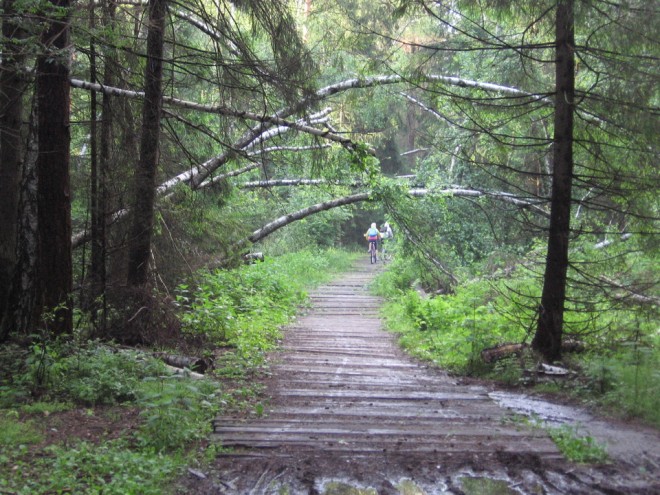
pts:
[100, 240]
[54, 198]
[12, 87]
[18, 317]
[100, 148]
[547, 339]
[145, 175]
[97, 266]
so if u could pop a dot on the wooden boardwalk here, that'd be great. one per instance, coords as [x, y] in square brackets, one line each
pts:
[341, 385]
[349, 411]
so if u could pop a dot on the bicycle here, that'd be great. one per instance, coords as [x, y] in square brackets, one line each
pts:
[384, 255]
[373, 251]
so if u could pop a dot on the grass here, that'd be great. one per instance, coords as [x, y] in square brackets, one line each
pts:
[14, 432]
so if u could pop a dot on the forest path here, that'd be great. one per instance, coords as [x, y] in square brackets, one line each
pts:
[348, 409]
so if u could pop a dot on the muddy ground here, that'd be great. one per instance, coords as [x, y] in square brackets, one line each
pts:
[349, 414]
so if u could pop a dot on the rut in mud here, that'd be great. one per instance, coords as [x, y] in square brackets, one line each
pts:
[348, 409]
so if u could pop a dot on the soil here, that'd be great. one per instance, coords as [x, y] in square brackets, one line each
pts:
[349, 413]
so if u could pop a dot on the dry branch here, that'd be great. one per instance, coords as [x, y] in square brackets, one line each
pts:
[271, 227]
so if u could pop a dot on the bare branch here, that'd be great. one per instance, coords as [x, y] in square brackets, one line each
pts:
[282, 182]
[271, 227]
[499, 195]
[273, 149]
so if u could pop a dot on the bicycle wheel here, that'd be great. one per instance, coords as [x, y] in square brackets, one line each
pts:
[373, 252]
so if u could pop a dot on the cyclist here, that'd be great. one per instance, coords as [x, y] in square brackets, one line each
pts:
[385, 233]
[372, 235]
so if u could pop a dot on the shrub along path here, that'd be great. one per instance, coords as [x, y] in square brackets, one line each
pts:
[347, 407]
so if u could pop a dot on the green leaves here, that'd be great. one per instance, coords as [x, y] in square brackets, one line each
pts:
[363, 161]
[577, 447]
[452, 330]
[175, 412]
[244, 308]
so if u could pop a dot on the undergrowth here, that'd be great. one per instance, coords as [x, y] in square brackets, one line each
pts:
[619, 370]
[577, 447]
[243, 309]
[39, 385]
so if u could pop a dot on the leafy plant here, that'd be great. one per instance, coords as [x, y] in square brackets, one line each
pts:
[244, 308]
[109, 468]
[451, 330]
[94, 375]
[176, 412]
[628, 380]
[576, 447]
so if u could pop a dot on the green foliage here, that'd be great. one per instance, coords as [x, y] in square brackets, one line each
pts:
[451, 330]
[628, 379]
[14, 432]
[89, 375]
[576, 447]
[46, 408]
[363, 162]
[108, 468]
[400, 276]
[244, 308]
[175, 412]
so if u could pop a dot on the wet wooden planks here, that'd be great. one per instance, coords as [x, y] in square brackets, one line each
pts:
[340, 384]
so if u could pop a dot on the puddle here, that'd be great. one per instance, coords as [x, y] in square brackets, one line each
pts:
[408, 487]
[403, 487]
[637, 445]
[486, 486]
[553, 414]
[340, 488]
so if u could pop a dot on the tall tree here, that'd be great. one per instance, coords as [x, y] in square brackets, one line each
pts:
[54, 195]
[12, 87]
[145, 175]
[19, 315]
[551, 312]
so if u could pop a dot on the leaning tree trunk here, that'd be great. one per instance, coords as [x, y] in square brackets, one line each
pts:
[54, 198]
[139, 247]
[547, 339]
[12, 87]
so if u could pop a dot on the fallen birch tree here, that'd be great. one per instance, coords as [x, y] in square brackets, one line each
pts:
[284, 220]
[200, 175]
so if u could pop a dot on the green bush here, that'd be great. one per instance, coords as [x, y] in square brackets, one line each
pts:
[90, 375]
[576, 447]
[452, 330]
[400, 276]
[244, 307]
[14, 432]
[628, 379]
[176, 412]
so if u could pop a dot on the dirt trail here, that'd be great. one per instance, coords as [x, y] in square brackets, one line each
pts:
[348, 410]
